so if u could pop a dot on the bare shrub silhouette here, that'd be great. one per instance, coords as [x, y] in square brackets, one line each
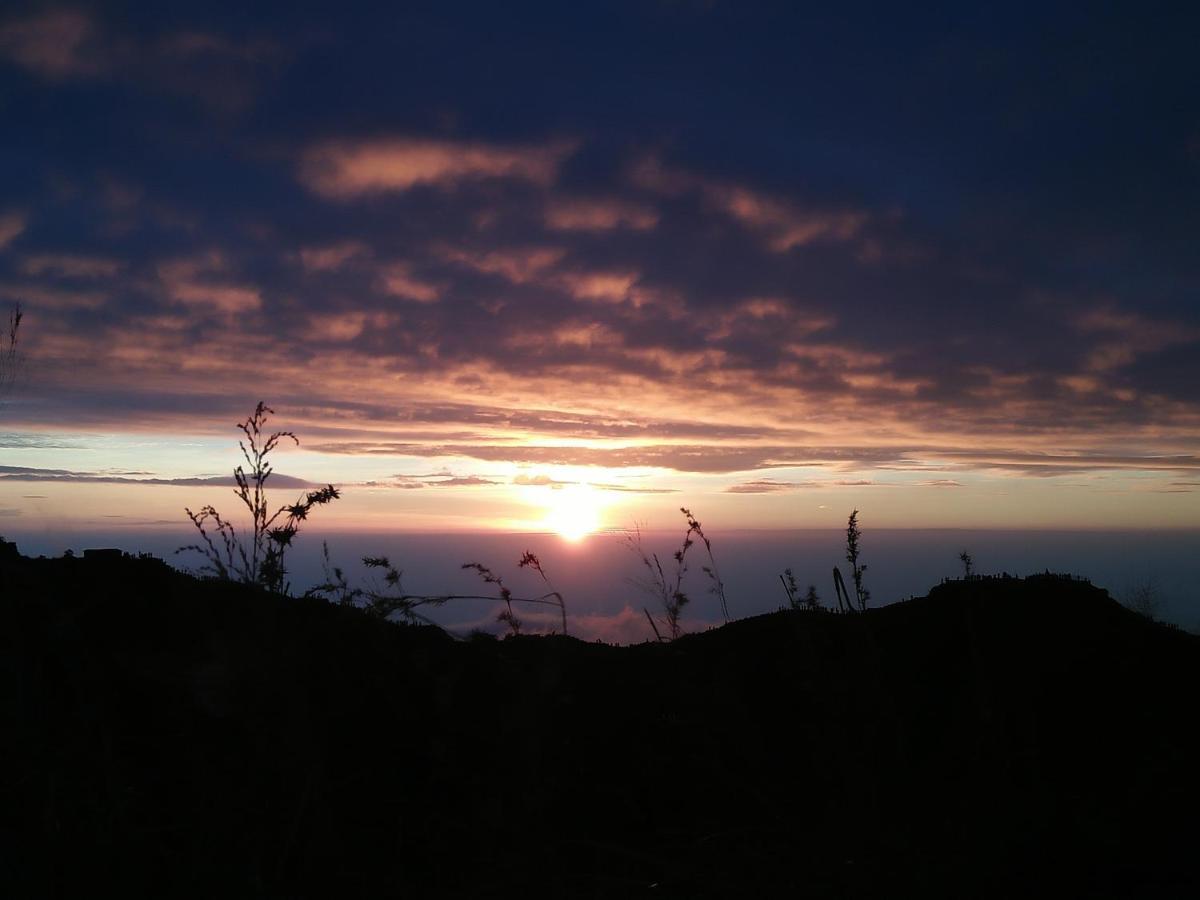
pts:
[336, 588]
[843, 596]
[259, 561]
[791, 588]
[531, 561]
[853, 534]
[716, 586]
[390, 600]
[507, 615]
[809, 601]
[1144, 598]
[968, 565]
[667, 589]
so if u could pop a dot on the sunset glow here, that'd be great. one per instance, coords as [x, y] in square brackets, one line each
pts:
[758, 304]
[574, 511]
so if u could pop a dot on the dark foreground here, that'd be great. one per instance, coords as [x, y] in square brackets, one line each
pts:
[161, 736]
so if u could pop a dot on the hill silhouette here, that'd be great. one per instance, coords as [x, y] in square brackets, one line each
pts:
[179, 737]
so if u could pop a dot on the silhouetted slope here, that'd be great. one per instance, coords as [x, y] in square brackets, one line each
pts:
[169, 736]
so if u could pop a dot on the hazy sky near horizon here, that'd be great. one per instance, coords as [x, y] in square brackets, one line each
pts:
[520, 266]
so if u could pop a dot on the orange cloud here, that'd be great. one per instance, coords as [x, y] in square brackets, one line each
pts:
[399, 281]
[202, 282]
[1132, 336]
[52, 297]
[608, 287]
[348, 169]
[331, 257]
[517, 264]
[581, 214]
[785, 224]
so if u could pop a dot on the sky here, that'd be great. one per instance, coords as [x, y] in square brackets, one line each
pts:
[570, 267]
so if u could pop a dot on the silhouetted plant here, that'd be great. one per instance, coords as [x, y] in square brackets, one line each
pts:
[335, 588]
[667, 590]
[261, 563]
[968, 563]
[788, 579]
[529, 560]
[507, 615]
[390, 601]
[809, 601]
[1144, 598]
[717, 587]
[853, 534]
[386, 601]
[839, 587]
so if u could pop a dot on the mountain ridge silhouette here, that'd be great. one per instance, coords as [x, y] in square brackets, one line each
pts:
[174, 735]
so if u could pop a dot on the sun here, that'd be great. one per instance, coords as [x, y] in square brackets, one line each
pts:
[574, 511]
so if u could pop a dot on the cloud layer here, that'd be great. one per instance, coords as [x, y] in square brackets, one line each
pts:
[655, 269]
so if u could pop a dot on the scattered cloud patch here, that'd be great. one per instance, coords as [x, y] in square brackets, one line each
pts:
[54, 44]
[348, 169]
[598, 214]
[66, 265]
[767, 486]
[12, 224]
[331, 257]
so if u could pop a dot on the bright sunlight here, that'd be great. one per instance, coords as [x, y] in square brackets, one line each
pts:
[574, 511]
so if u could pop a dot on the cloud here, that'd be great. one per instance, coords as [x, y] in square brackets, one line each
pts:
[725, 308]
[605, 287]
[1128, 335]
[516, 264]
[436, 479]
[12, 223]
[66, 265]
[713, 459]
[631, 488]
[547, 481]
[399, 281]
[331, 257]
[226, 298]
[223, 74]
[539, 481]
[56, 44]
[461, 481]
[203, 282]
[766, 486]
[347, 169]
[33, 474]
[598, 214]
[784, 224]
[52, 298]
[31, 441]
